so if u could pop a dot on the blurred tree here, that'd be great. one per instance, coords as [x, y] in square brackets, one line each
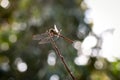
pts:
[21, 58]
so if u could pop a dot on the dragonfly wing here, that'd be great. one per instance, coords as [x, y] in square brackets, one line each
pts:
[45, 40]
[40, 36]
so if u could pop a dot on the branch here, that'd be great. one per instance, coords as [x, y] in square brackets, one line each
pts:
[60, 56]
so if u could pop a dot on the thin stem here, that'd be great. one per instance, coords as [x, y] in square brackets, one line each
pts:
[60, 56]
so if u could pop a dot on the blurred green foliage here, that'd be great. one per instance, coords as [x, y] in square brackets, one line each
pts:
[24, 18]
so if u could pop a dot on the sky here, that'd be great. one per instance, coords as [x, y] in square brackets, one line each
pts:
[105, 15]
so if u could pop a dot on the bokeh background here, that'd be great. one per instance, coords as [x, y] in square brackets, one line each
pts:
[92, 24]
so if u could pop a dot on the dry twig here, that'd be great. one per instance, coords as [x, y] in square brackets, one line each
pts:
[60, 56]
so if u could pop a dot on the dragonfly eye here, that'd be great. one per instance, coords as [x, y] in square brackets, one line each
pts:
[52, 31]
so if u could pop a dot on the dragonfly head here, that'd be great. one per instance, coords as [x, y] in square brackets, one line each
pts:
[55, 31]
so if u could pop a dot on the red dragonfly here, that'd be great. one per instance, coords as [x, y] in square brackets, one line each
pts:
[45, 38]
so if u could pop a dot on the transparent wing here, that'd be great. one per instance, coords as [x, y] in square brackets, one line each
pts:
[43, 38]
[40, 36]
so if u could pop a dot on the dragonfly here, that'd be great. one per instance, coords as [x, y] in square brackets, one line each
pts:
[47, 37]
[54, 32]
